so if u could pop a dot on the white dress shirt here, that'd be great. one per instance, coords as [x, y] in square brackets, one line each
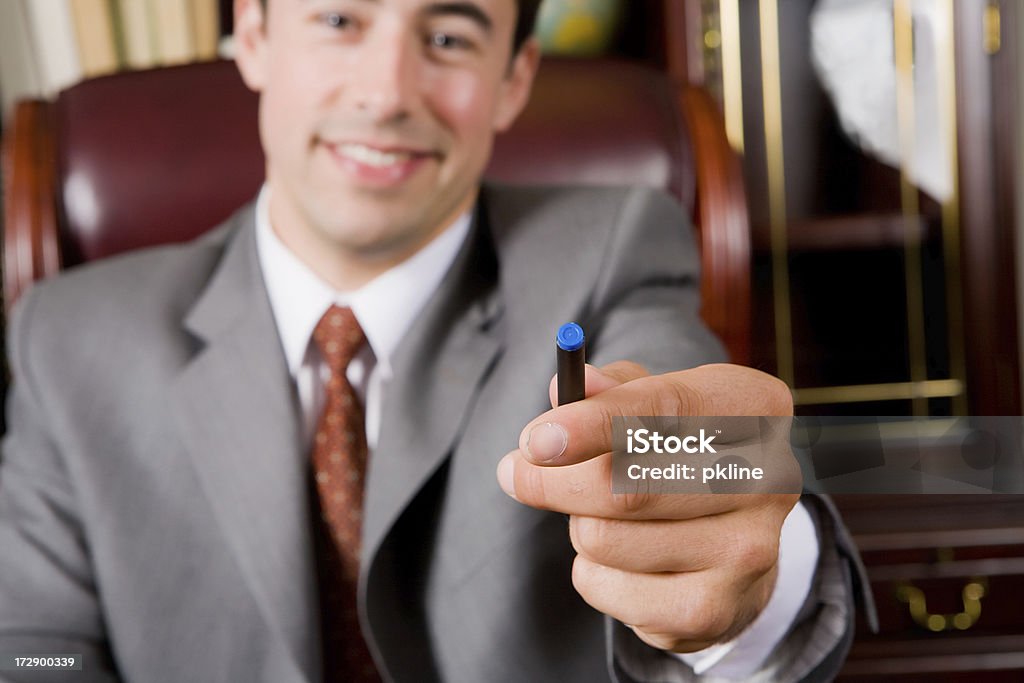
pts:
[385, 308]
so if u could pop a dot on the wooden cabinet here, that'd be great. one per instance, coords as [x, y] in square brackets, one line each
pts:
[873, 296]
[947, 575]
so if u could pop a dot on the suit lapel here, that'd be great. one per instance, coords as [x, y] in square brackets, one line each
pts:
[237, 416]
[438, 369]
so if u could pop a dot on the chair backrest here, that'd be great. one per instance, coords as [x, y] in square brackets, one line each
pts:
[150, 157]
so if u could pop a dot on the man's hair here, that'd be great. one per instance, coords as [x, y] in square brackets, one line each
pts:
[525, 21]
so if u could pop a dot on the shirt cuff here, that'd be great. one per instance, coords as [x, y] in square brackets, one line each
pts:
[798, 557]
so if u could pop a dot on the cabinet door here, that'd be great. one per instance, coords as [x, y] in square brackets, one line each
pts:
[879, 140]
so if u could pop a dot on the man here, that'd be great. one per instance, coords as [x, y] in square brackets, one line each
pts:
[186, 486]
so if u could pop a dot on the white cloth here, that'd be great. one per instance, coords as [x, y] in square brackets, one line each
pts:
[853, 54]
[385, 308]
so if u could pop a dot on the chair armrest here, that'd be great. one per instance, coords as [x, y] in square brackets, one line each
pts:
[723, 224]
[30, 242]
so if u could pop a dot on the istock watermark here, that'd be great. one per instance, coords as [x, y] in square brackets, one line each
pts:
[644, 440]
[825, 454]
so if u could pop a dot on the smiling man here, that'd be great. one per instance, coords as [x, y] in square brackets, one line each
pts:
[377, 120]
[287, 451]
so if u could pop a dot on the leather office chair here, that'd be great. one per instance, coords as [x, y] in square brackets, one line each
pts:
[143, 158]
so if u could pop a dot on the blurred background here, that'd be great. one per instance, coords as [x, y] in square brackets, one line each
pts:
[879, 143]
[881, 151]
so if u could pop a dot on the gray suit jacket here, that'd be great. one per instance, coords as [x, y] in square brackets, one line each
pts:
[154, 500]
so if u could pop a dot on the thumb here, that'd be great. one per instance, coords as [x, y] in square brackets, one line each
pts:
[603, 378]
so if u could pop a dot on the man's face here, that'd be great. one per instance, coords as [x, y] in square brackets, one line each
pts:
[377, 116]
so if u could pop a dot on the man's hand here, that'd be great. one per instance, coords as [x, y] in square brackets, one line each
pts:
[684, 571]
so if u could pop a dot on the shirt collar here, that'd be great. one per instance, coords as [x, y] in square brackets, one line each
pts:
[385, 307]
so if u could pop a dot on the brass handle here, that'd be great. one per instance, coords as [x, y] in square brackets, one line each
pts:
[972, 594]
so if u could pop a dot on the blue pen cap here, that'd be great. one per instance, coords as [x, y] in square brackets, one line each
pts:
[570, 337]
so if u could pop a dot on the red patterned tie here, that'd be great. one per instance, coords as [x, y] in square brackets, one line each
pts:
[339, 468]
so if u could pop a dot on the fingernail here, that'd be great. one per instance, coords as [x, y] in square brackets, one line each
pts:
[546, 441]
[506, 476]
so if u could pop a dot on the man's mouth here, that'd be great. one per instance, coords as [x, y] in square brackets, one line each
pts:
[371, 156]
[379, 166]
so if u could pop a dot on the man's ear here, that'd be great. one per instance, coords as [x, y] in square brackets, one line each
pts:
[517, 85]
[251, 43]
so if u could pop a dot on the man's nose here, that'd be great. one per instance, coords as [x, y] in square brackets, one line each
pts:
[383, 84]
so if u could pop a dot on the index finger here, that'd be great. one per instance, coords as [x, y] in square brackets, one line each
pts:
[585, 489]
[602, 378]
[580, 431]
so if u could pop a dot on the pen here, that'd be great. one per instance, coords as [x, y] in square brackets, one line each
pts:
[571, 361]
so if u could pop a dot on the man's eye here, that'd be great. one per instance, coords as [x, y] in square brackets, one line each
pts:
[335, 20]
[447, 41]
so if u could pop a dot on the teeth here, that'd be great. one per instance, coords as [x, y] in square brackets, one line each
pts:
[372, 157]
